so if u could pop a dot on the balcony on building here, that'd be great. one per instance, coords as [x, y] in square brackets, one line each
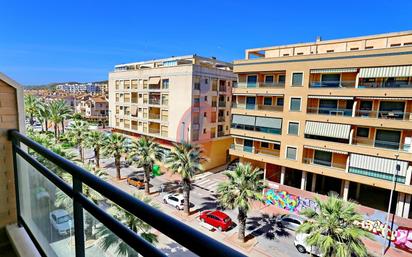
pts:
[271, 103]
[154, 128]
[259, 124]
[154, 98]
[221, 116]
[256, 146]
[222, 101]
[392, 108]
[394, 77]
[330, 105]
[325, 157]
[154, 113]
[391, 139]
[222, 86]
[154, 83]
[274, 79]
[333, 78]
[325, 131]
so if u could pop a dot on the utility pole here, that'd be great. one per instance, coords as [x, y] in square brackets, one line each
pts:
[385, 231]
[183, 131]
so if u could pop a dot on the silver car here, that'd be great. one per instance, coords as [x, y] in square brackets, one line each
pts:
[290, 221]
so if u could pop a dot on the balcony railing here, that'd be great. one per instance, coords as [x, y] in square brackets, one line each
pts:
[259, 85]
[382, 144]
[154, 101]
[384, 85]
[221, 119]
[333, 84]
[259, 107]
[154, 116]
[35, 182]
[276, 131]
[222, 103]
[221, 134]
[329, 111]
[313, 161]
[222, 88]
[252, 149]
[389, 115]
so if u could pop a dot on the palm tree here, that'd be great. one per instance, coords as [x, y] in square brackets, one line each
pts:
[43, 114]
[78, 132]
[30, 106]
[107, 239]
[115, 146]
[185, 159]
[244, 185]
[147, 152]
[332, 228]
[95, 139]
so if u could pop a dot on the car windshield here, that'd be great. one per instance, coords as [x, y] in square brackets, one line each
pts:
[63, 219]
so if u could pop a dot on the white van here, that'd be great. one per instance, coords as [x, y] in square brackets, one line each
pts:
[302, 247]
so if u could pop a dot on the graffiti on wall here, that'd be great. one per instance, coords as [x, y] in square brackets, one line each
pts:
[401, 237]
[290, 202]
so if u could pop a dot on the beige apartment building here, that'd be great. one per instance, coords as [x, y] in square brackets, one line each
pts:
[331, 115]
[185, 98]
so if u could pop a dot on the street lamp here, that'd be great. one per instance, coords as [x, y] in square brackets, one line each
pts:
[183, 131]
[385, 229]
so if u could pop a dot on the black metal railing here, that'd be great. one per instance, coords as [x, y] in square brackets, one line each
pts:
[30, 152]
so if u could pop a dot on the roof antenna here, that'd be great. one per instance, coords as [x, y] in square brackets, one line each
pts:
[318, 38]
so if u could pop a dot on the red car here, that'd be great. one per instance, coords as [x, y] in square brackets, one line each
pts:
[217, 219]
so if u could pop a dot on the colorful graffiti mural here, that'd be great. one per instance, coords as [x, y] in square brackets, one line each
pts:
[290, 202]
[401, 237]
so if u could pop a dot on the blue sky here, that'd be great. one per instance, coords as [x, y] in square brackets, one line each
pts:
[50, 41]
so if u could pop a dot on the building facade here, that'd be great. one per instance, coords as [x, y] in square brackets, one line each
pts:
[330, 115]
[93, 108]
[177, 99]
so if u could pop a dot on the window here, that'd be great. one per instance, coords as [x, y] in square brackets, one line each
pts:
[268, 79]
[276, 147]
[387, 139]
[205, 98]
[368, 47]
[251, 80]
[279, 101]
[206, 81]
[165, 84]
[267, 101]
[330, 80]
[264, 144]
[295, 104]
[291, 153]
[205, 114]
[293, 128]
[362, 132]
[204, 131]
[297, 79]
[281, 79]
[322, 158]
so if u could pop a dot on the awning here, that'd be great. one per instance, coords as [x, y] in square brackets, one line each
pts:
[243, 120]
[385, 98]
[327, 129]
[378, 164]
[268, 94]
[269, 122]
[381, 72]
[339, 70]
[243, 94]
[257, 139]
[325, 149]
[133, 110]
[154, 80]
[330, 97]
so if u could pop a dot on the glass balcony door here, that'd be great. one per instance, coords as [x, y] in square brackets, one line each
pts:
[250, 102]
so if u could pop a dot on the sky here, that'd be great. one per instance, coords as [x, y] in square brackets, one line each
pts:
[69, 40]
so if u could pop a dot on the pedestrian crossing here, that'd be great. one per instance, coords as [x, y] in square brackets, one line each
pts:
[207, 184]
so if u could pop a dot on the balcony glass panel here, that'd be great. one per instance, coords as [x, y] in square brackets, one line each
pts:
[251, 81]
[50, 221]
[388, 139]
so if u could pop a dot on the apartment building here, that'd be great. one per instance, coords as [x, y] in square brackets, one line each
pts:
[331, 115]
[185, 98]
[93, 108]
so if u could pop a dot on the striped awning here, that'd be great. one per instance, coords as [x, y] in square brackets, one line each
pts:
[339, 70]
[378, 164]
[269, 94]
[385, 98]
[133, 110]
[327, 129]
[275, 123]
[243, 120]
[244, 94]
[331, 97]
[154, 80]
[382, 72]
[325, 149]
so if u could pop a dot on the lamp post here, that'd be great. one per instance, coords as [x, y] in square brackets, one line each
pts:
[385, 229]
[183, 131]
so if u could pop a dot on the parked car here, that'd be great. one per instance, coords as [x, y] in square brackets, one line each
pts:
[232, 165]
[176, 200]
[302, 247]
[290, 221]
[217, 219]
[136, 180]
[61, 221]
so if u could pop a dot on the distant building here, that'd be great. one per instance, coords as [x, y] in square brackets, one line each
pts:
[93, 108]
[91, 88]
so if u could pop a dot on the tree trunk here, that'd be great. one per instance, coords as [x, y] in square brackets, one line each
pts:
[147, 179]
[55, 131]
[117, 164]
[81, 152]
[31, 119]
[46, 125]
[97, 156]
[186, 196]
[63, 126]
[242, 225]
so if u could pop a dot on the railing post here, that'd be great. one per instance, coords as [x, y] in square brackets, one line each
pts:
[15, 142]
[78, 219]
